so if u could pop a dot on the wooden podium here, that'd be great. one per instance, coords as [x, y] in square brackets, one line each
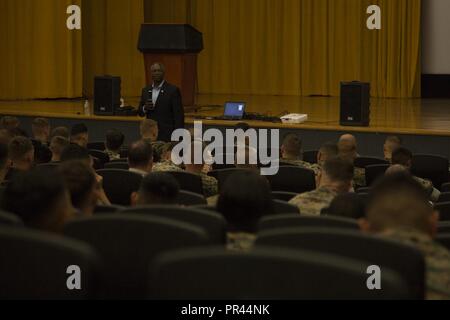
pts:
[176, 46]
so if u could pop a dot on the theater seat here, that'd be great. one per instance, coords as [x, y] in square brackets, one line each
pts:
[431, 167]
[189, 182]
[9, 219]
[310, 156]
[266, 274]
[363, 162]
[283, 196]
[34, 266]
[374, 172]
[212, 222]
[296, 220]
[187, 198]
[387, 254]
[283, 207]
[119, 185]
[444, 239]
[117, 165]
[444, 210]
[128, 244]
[293, 179]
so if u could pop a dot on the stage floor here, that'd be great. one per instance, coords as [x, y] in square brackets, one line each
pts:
[389, 116]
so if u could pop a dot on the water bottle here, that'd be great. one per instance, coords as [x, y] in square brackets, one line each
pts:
[87, 108]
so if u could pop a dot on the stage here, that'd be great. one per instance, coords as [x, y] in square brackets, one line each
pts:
[424, 124]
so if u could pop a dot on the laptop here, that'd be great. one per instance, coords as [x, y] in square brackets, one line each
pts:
[233, 111]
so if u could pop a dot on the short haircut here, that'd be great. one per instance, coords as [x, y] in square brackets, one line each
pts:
[79, 179]
[8, 122]
[401, 156]
[114, 140]
[292, 144]
[158, 188]
[3, 155]
[339, 169]
[398, 201]
[163, 68]
[40, 123]
[330, 149]
[394, 139]
[140, 153]
[61, 132]
[348, 205]
[19, 147]
[58, 144]
[78, 129]
[75, 152]
[244, 206]
[31, 195]
[148, 125]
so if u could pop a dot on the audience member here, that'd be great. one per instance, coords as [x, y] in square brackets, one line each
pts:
[399, 209]
[149, 132]
[348, 149]
[84, 189]
[327, 151]
[79, 135]
[157, 188]
[166, 164]
[403, 157]
[57, 146]
[4, 162]
[60, 132]
[140, 157]
[39, 199]
[391, 143]
[9, 123]
[243, 207]
[114, 142]
[41, 130]
[21, 155]
[210, 184]
[292, 152]
[335, 178]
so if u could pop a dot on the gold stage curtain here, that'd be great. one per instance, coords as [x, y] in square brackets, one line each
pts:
[110, 39]
[301, 47]
[39, 56]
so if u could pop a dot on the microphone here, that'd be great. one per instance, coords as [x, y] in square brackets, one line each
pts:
[149, 106]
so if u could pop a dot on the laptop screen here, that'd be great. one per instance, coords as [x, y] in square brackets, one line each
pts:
[235, 109]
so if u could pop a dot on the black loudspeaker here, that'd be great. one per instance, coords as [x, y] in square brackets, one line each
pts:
[355, 104]
[106, 95]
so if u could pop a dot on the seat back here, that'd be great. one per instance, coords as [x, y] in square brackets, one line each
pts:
[363, 162]
[283, 196]
[189, 182]
[374, 172]
[293, 179]
[117, 165]
[310, 156]
[444, 210]
[283, 207]
[212, 222]
[9, 219]
[224, 174]
[119, 185]
[96, 146]
[127, 244]
[431, 167]
[219, 275]
[187, 198]
[296, 220]
[387, 254]
[444, 239]
[36, 266]
[444, 197]
[444, 227]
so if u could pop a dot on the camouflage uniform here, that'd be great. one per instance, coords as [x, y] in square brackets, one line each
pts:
[437, 260]
[428, 186]
[359, 180]
[210, 185]
[240, 242]
[312, 203]
[158, 148]
[301, 164]
[113, 155]
[166, 166]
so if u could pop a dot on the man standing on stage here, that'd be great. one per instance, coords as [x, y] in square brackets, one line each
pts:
[162, 102]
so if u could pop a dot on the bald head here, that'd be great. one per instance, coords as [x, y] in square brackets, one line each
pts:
[347, 146]
[158, 72]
